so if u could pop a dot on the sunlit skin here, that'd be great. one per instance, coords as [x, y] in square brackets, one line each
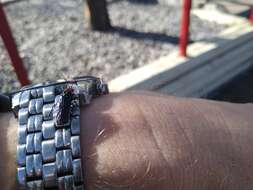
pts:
[140, 140]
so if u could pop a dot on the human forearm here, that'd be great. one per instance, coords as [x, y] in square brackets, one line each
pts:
[140, 141]
[147, 141]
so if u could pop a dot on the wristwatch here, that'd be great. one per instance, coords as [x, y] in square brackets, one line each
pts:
[48, 151]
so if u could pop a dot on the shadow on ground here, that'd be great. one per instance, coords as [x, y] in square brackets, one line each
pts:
[148, 2]
[144, 1]
[138, 35]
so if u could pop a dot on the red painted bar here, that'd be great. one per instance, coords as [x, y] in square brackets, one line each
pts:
[251, 15]
[11, 48]
[185, 24]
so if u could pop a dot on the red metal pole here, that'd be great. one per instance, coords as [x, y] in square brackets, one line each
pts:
[251, 15]
[12, 50]
[185, 24]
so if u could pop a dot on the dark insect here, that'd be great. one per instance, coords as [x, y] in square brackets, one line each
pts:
[62, 108]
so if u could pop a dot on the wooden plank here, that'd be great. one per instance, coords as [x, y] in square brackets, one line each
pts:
[197, 78]
[218, 17]
[158, 72]
[226, 78]
[198, 84]
[167, 76]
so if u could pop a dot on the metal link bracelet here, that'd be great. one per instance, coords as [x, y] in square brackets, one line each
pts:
[48, 152]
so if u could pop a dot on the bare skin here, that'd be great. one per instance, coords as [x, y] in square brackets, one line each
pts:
[148, 141]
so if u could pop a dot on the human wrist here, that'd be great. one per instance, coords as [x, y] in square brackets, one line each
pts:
[118, 150]
[48, 152]
[8, 141]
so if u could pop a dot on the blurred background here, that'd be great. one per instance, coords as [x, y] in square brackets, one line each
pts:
[56, 39]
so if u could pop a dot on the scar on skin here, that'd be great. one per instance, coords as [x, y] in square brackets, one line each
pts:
[100, 134]
[103, 133]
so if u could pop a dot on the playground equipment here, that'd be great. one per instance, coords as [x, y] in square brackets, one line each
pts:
[185, 24]
[6, 34]
[96, 12]
[12, 49]
[251, 15]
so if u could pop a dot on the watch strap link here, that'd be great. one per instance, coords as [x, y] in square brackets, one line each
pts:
[48, 155]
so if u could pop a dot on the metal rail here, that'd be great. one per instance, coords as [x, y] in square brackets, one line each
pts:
[251, 15]
[11, 47]
[185, 24]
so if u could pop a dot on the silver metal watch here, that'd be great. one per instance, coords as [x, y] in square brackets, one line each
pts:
[48, 152]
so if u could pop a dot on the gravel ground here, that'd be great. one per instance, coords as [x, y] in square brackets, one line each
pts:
[55, 42]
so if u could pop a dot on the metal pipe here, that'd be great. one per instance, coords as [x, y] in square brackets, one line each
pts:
[251, 15]
[185, 24]
[9, 42]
